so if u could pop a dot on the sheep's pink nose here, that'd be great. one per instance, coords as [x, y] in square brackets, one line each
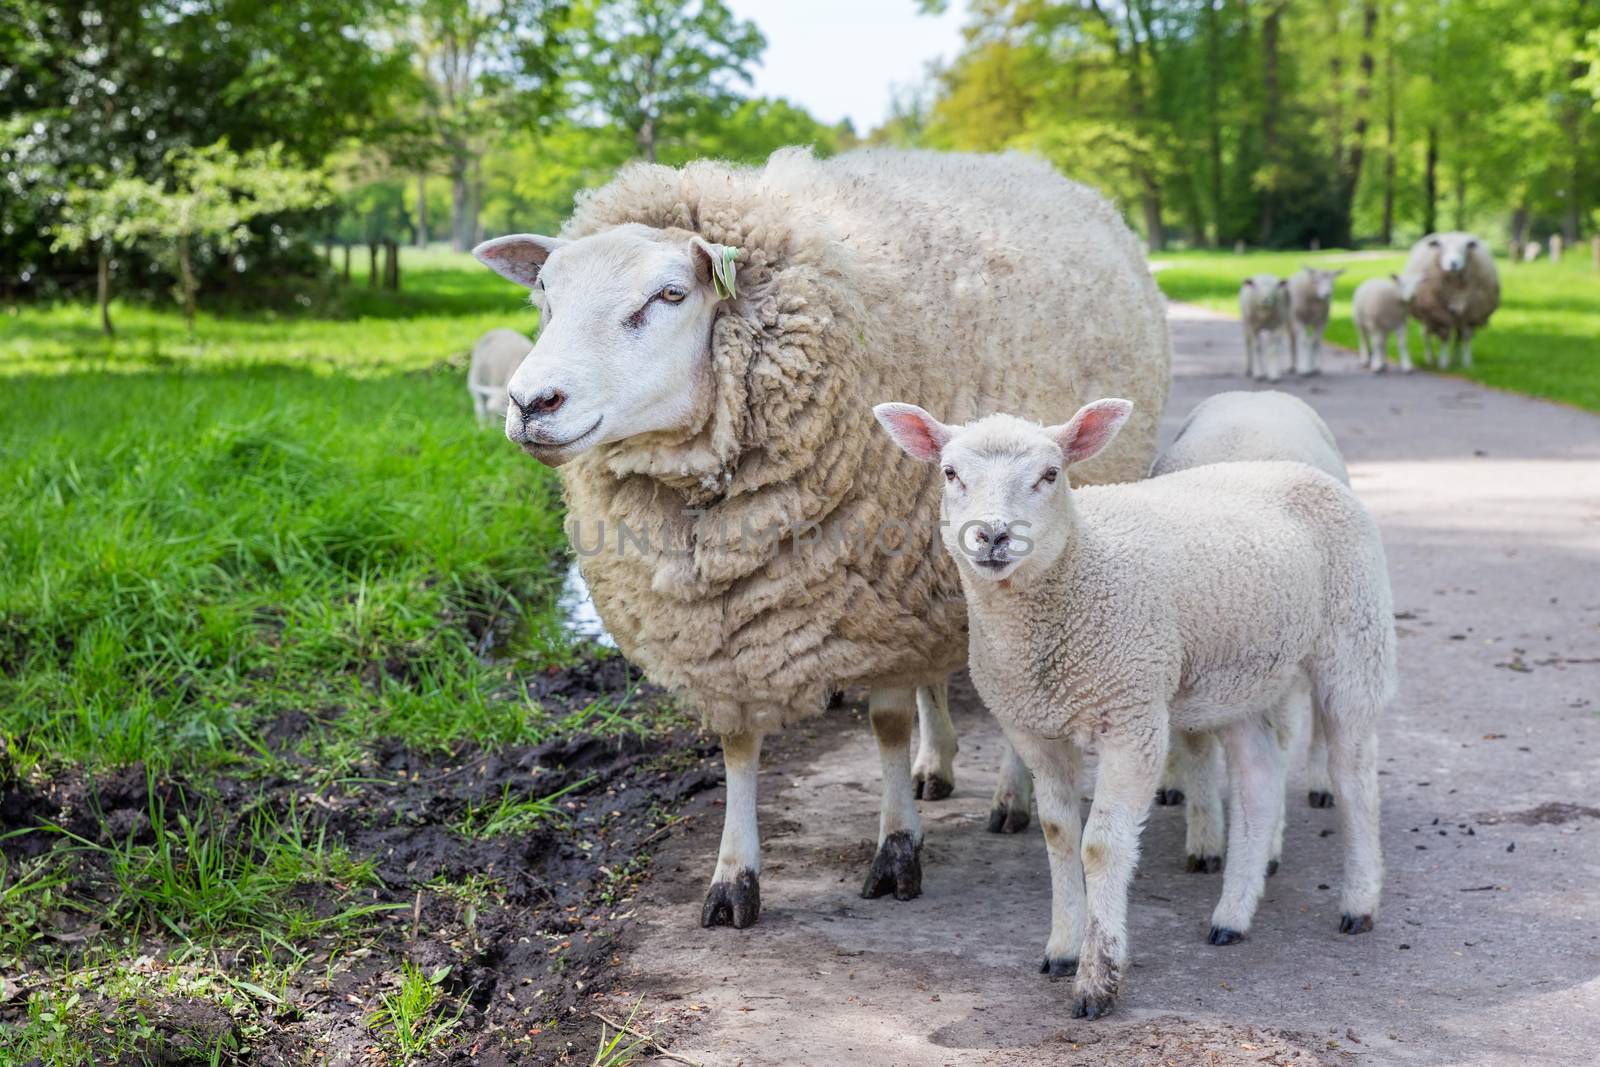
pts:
[545, 403]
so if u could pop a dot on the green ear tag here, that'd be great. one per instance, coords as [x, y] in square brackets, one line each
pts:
[722, 274]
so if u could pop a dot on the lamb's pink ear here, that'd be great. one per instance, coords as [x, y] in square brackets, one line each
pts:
[518, 257]
[919, 435]
[1091, 429]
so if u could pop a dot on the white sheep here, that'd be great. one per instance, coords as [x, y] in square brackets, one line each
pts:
[1264, 312]
[495, 359]
[1229, 428]
[1310, 300]
[1457, 289]
[706, 336]
[1381, 308]
[1111, 614]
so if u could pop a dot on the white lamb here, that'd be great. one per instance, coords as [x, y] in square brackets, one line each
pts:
[1109, 615]
[1264, 311]
[1227, 428]
[1310, 300]
[495, 358]
[1381, 307]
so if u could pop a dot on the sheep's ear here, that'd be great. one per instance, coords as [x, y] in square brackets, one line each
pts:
[919, 435]
[1433, 242]
[714, 266]
[519, 257]
[1249, 283]
[1091, 429]
[1283, 283]
[1396, 278]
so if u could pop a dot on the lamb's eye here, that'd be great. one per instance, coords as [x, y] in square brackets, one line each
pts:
[949, 474]
[673, 294]
[1049, 475]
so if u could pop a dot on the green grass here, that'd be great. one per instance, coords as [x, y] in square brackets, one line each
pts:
[278, 513]
[516, 815]
[1544, 341]
[415, 1018]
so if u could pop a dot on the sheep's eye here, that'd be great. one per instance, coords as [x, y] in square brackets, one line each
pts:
[673, 294]
[1049, 476]
[949, 474]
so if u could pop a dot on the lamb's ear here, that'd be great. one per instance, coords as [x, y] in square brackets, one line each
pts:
[1396, 278]
[1091, 429]
[919, 435]
[518, 257]
[1249, 283]
[714, 266]
[1283, 283]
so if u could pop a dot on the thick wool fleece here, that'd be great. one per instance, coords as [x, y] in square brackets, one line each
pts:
[1444, 302]
[1243, 426]
[791, 548]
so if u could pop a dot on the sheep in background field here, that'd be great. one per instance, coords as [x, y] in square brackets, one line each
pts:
[1264, 310]
[1457, 289]
[1112, 614]
[495, 359]
[1532, 251]
[707, 336]
[1310, 299]
[1230, 428]
[1380, 308]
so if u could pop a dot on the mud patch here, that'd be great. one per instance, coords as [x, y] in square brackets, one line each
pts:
[1552, 813]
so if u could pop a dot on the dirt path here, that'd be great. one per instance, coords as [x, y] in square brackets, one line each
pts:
[1488, 944]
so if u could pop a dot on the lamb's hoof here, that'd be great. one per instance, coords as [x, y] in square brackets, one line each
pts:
[736, 903]
[1319, 798]
[1204, 864]
[1272, 868]
[1222, 935]
[1059, 966]
[1093, 1007]
[1008, 819]
[1355, 924]
[897, 869]
[932, 787]
[1169, 798]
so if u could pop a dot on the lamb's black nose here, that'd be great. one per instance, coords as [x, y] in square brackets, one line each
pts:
[533, 407]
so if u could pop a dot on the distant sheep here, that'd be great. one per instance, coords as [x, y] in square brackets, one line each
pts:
[495, 358]
[1264, 312]
[1111, 614]
[1310, 300]
[1457, 289]
[1381, 307]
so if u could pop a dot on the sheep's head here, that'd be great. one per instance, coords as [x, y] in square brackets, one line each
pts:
[1453, 250]
[1407, 284]
[1322, 281]
[1007, 510]
[1266, 289]
[624, 337]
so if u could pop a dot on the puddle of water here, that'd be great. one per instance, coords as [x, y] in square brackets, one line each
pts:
[578, 613]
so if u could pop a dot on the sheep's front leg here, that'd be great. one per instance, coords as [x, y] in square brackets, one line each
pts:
[1056, 765]
[1271, 347]
[1130, 766]
[933, 774]
[1319, 792]
[1012, 805]
[1441, 352]
[1206, 829]
[1466, 346]
[1314, 349]
[1256, 772]
[897, 868]
[1169, 794]
[735, 895]
[1249, 351]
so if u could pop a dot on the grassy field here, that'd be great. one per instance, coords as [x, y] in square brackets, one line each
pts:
[1544, 341]
[282, 679]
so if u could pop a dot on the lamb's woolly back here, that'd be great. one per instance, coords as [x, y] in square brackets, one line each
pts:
[495, 358]
[1253, 426]
[962, 283]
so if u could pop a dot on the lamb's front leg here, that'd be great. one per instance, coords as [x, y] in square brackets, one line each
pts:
[933, 773]
[735, 895]
[1255, 804]
[1130, 766]
[1206, 828]
[897, 868]
[1055, 767]
[1012, 805]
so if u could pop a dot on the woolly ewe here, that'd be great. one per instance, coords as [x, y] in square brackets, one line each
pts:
[1264, 311]
[707, 336]
[1380, 308]
[494, 360]
[1112, 614]
[1310, 299]
[1456, 290]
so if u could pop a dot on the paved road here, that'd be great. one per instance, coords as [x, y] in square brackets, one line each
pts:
[1488, 944]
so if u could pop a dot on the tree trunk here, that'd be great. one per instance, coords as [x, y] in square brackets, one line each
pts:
[422, 210]
[372, 264]
[1214, 124]
[461, 223]
[103, 290]
[1350, 175]
[1519, 233]
[1461, 198]
[1154, 232]
[186, 281]
[1430, 183]
[1388, 139]
[347, 262]
[1269, 119]
[391, 266]
[477, 201]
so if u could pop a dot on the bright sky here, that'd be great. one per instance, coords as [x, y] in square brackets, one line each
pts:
[839, 58]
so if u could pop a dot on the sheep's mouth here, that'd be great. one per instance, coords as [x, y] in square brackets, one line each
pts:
[550, 451]
[993, 563]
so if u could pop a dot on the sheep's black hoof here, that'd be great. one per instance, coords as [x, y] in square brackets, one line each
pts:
[1272, 868]
[1059, 966]
[1355, 924]
[1204, 864]
[897, 869]
[1093, 1007]
[836, 699]
[1222, 935]
[1169, 798]
[736, 903]
[1008, 819]
[1319, 798]
[932, 787]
